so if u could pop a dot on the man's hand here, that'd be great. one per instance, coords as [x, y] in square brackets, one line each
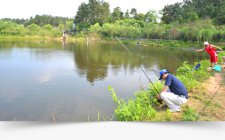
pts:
[159, 99]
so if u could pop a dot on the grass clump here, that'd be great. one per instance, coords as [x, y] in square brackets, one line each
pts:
[190, 114]
[140, 108]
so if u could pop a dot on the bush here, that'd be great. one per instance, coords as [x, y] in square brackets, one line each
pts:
[185, 70]
[138, 109]
[220, 55]
[189, 83]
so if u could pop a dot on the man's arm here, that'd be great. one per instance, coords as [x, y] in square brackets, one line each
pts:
[165, 88]
[200, 50]
[217, 47]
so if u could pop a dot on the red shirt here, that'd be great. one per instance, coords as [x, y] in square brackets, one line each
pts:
[211, 50]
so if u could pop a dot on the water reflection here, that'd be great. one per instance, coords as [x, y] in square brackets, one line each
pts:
[93, 61]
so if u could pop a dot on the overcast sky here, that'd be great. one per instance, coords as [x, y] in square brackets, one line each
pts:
[68, 8]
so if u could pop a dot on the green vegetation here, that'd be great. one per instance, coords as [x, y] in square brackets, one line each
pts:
[191, 77]
[190, 20]
[190, 114]
[38, 26]
[191, 10]
[144, 105]
[220, 55]
[131, 28]
[141, 108]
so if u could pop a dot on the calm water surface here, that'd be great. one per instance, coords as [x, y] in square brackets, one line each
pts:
[69, 82]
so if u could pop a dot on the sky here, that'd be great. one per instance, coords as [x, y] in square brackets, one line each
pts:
[68, 8]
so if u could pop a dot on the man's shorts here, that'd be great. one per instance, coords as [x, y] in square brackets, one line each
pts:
[213, 59]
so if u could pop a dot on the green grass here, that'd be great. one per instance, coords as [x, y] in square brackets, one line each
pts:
[220, 55]
[190, 114]
[207, 102]
[218, 105]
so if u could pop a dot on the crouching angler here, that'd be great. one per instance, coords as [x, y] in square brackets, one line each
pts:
[174, 93]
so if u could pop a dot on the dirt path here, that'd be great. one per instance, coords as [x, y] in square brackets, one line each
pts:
[214, 100]
[209, 101]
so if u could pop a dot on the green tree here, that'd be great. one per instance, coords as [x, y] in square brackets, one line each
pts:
[191, 10]
[48, 27]
[193, 16]
[99, 11]
[171, 12]
[140, 16]
[127, 15]
[82, 17]
[33, 29]
[133, 13]
[42, 20]
[91, 13]
[61, 27]
[117, 14]
[11, 28]
[151, 16]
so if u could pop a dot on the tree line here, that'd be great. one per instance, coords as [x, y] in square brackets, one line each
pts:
[41, 25]
[40, 20]
[190, 10]
[98, 12]
[194, 20]
[130, 28]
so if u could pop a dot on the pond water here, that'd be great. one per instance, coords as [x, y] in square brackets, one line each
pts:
[39, 81]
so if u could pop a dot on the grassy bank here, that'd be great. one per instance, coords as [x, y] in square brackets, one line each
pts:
[144, 106]
[24, 38]
[127, 42]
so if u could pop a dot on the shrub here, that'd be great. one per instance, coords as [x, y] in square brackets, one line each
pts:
[137, 109]
[220, 55]
[185, 70]
[189, 83]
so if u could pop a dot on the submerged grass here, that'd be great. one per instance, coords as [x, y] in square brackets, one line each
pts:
[143, 106]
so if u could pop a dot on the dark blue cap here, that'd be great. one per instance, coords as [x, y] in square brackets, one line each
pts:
[162, 72]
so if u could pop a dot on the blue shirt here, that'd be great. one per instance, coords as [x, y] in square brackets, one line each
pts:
[176, 86]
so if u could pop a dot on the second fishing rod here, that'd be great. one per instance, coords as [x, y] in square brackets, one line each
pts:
[155, 71]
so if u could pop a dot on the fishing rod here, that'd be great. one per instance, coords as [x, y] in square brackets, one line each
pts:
[155, 71]
[149, 80]
[140, 67]
[124, 46]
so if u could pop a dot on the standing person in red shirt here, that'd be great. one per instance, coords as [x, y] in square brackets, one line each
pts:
[211, 50]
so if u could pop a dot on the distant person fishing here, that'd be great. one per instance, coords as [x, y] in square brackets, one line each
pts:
[211, 50]
[64, 38]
